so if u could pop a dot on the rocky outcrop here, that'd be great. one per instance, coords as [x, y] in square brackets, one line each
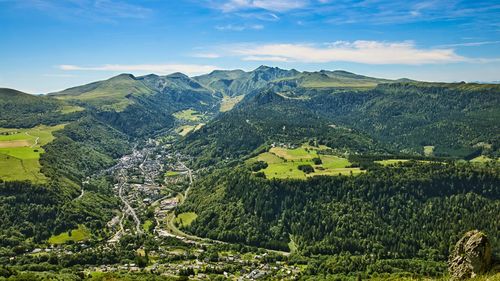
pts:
[471, 256]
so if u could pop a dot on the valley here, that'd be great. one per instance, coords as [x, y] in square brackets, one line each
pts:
[269, 174]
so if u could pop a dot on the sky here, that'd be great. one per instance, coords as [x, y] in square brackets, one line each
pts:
[50, 45]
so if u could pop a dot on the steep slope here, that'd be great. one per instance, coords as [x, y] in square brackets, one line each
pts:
[267, 117]
[140, 106]
[18, 109]
[112, 94]
[237, 82]
[457, 120]
[384, 213]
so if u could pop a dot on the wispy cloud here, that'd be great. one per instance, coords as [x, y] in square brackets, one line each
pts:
[389, 12]
[469, 44]
[189, 69]
[366, 52]
[97, 10]
[206, 55]
[270, 5]
[236, 27]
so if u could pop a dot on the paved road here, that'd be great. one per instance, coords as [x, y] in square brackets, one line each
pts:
[173, 231]
[128, 208]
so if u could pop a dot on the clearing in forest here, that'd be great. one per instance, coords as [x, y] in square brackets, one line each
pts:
[185, 219]
[77, 235]
[284, 163]
[20, 151]
[188, 115]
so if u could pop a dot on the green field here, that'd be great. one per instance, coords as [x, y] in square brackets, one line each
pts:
[188, 115]
[71, 108]
[185, 219]
[77, 235]
[283, 163]
[428, 150]
[147, 224]
[229, 102]
[391, 161]
[171, 173]
[20, 150]
[186, 129]
[482, 159]
[300, 153]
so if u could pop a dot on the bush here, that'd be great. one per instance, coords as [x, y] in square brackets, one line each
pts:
[306, 168]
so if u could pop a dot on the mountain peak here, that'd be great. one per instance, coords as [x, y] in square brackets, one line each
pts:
[178, 75]
[264, 68]
[123, 76]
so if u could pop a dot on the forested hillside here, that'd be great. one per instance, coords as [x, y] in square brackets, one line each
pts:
[456, 120]
[404, 211]
[22, 110]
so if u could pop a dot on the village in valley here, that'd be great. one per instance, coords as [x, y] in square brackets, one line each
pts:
[151, 183]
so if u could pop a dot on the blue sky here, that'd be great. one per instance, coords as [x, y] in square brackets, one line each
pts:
[49, 45]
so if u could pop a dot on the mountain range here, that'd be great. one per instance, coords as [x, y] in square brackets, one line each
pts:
[348, 174]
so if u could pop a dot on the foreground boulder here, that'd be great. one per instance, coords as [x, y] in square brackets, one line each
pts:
[471, 256]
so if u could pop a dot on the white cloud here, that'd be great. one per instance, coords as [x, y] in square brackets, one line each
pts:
[367, 52]
[206, 55]
[270, 5]
[265, 58]
[189, 69]
[470, 44]
[232, 27]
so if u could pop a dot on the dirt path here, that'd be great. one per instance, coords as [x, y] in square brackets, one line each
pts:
[36, 140]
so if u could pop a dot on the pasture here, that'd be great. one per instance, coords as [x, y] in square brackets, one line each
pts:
[188, 115]
[171, 173]
[283, 163]
[229, 102]
[186, 129]
[185, 219]
[482, 159]
[77, 235]
[428, 150]
[389, 162]
[20, 151]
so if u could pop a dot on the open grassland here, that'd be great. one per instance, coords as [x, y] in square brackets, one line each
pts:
[388, 162]
[70, 109]
[185, 219]
[229, 102]
[482, 159]
[186, 129]
[77, 235]
[299, 153]
[428, 150]
[171, 173]
[107, 95]
[283, 163]
[20, 150]
[188, 115]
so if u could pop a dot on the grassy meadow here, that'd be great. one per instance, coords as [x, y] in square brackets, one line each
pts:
[20, 151]
[283, 163]
[77, 235]
[186, 129]
[185, 219]
[188, 115]
[229, 102]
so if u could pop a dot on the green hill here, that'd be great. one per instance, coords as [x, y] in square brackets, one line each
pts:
[139, 106]
[111, 94]
[22, 110]
[331, 79]
[454, 119]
